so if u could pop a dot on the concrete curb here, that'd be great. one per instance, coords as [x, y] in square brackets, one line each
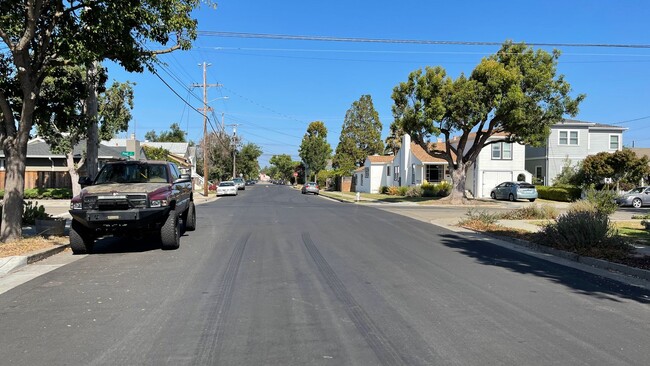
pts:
[573, 257]
[13, 263]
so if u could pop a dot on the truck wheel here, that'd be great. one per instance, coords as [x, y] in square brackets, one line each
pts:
[190, 218]
[170, 233]
[81, 241]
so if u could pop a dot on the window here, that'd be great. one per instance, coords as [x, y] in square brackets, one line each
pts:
[434, 173]
[538, 172]
[613, 142]
[396, 173]
[388, 171]
[412, 173]
[502, 151]
[568, 138]
[366, 172]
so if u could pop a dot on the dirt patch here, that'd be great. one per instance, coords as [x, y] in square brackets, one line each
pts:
[32, 244]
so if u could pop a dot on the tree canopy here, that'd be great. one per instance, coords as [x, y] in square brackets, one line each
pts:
[622, 167]
[514, 93]
[360, 135]
[282, 166]
[174, 134]
[247, 163]
[314, 149]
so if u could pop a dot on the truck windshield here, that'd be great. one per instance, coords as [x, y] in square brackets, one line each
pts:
[132, 173]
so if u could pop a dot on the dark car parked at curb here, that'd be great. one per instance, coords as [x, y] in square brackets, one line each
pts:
[514, 190]
[133, 198]
[310, 187]
[637, 197]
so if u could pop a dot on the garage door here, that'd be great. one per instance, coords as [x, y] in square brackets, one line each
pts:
[492, 179]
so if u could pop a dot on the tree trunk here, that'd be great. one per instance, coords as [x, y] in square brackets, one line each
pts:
[92, 142]
[458, 178]
[74, 174]
[12, 212]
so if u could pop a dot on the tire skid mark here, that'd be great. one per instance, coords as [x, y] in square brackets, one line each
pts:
[210, 341]
[386, 352]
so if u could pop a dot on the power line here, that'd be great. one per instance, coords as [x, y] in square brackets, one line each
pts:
[405, 41]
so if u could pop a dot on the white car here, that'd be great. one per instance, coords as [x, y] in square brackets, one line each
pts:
[227, 188]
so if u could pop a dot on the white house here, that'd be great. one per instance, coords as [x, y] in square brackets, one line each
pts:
[412, 166]
[570, 142]
[496, 163]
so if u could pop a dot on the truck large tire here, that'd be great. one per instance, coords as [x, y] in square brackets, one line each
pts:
[81, 241]
[170, 233]
[190, 218]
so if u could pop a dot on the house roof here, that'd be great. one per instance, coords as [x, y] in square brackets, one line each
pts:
[423, 156]
[381, 159]
[176, 148]
[574, 122]
[38, 148]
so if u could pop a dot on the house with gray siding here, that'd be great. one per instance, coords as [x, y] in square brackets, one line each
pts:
[570, 142]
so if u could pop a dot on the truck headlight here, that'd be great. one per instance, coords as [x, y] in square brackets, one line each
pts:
[76, 205]
[158, 203]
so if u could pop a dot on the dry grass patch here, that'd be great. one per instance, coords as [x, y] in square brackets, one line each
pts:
[31, 244]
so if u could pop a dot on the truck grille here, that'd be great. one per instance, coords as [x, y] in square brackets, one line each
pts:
[116, 202]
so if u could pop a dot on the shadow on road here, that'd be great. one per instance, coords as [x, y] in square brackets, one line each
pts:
[112, 245]
[579, 281]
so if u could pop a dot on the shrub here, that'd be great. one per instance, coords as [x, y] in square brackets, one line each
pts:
[40, 193]
[321, 178]
[402, 190]
[482, 216]
[429, 189]
[532, 212]
[32, 212]
[415, 191]
[585, 233]
[603, 201]
[383, 190]
[393, 191]
[582, 206]
[562, 193]
[444, 188]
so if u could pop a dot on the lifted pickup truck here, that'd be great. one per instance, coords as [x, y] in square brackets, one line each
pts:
[133, 198]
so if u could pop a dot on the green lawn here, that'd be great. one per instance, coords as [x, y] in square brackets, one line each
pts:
[633, 230]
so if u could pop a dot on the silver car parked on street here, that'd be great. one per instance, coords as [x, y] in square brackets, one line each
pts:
[637, 197]
[514, 190]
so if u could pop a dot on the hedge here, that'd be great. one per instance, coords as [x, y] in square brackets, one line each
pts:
[562, 194]
[44, 193]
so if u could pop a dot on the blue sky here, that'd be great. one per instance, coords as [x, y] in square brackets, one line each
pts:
[275, 88]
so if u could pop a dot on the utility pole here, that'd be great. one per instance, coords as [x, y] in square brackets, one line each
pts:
[205, 111]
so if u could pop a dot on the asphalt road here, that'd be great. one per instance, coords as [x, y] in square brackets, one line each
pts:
[273, 277]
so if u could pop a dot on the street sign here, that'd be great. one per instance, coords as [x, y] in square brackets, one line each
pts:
[128, 153]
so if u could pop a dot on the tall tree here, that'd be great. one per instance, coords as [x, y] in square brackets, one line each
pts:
[62, 103]
[394, 139]
[42, 35]
[247, 163]
[514, 92]
[360, 135]
[314, 149]
[284, 166]
[174, 134]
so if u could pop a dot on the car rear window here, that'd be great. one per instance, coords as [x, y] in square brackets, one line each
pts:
[526, 185]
